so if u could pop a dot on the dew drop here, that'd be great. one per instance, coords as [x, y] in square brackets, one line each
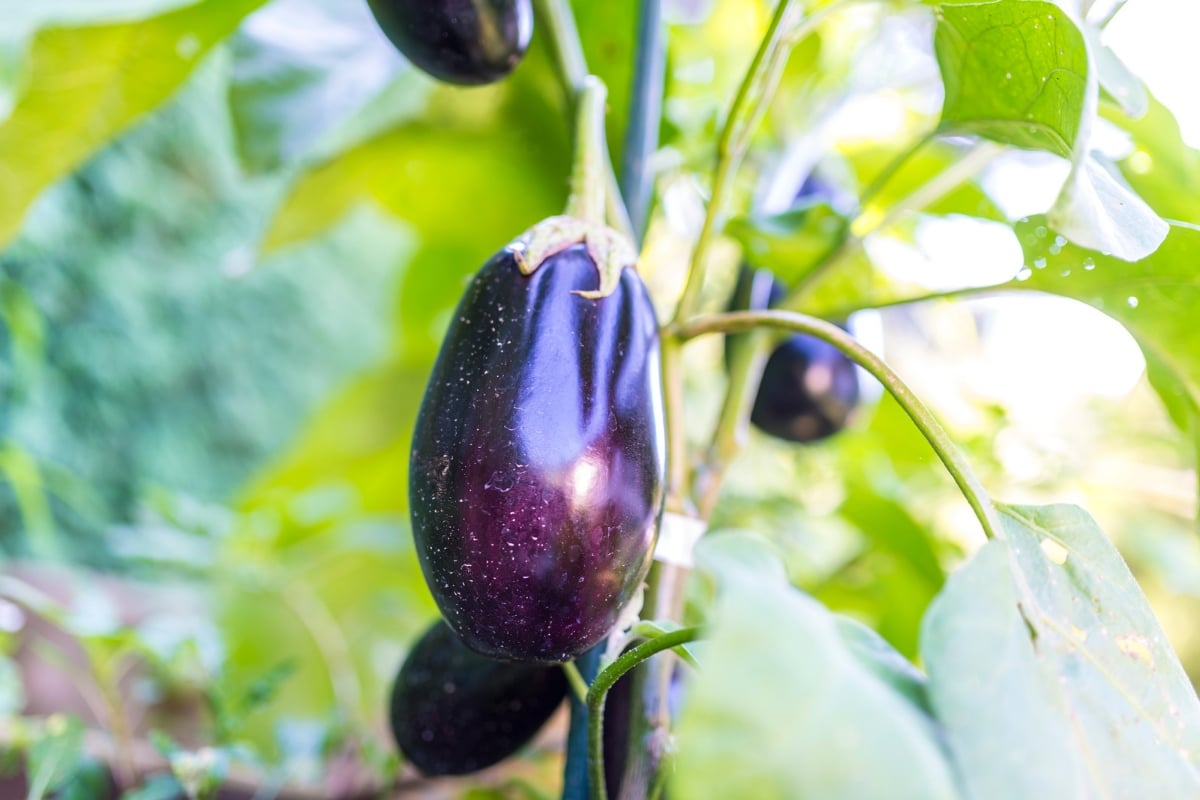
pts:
[1089, 264]
[1039, 263]
[1024, 274]
[1040, 230]
[1131, 301]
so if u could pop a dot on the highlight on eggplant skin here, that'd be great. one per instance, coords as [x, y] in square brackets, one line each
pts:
[809, 388]
[454, 712]
[465, 42]
[538, 458]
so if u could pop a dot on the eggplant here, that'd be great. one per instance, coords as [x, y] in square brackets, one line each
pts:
[538, 458]
[467, 42]
[809, 388]
[454, 712]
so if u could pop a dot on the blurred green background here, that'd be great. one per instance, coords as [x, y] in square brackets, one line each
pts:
[219, 315]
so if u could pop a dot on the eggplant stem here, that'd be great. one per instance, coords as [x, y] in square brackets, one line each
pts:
[587, 173]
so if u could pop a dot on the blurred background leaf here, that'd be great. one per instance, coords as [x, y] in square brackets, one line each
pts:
[90, 83]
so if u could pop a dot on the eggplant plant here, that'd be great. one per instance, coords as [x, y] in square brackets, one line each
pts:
[649, 229]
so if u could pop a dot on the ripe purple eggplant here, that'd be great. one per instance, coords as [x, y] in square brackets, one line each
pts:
[468, 42]
[809, 388]
[538, 458]
[454, 712]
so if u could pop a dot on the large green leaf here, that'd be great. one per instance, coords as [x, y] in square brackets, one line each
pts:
[1019, 72]
[784, 708]
[1015, 71]
[1154, 298]
[1052, 676]
[88, 84]
[353, 453]
[300, 68]
[1162, 167]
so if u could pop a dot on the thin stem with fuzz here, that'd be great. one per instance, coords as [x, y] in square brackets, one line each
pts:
[598, 693]
[945, 448]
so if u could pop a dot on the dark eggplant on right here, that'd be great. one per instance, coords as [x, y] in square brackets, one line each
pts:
[468, 42]
[809, 388]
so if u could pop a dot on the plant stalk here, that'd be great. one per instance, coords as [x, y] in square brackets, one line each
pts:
[599, 693]
[645, 115]
[575, 770]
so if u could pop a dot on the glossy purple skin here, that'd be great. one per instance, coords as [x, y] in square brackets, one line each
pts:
[538, 459]
[468, 42]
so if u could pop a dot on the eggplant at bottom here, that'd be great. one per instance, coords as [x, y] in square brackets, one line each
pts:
[454, 712]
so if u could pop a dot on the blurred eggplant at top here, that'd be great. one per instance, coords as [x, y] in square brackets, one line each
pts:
[466, 42]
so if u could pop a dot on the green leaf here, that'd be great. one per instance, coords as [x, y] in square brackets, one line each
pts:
[91, 780]
[1117, 81]
[890, 527]
[1018, 72]
[1162, 167]
[156, 787]
[784, 708]
[918, 169]
[884, 661]
[55, 756]
[89, 84]
[12, 689]
[790, 244]
[1015, 71]
[431, 177]
[652, 629]
[1097, 209]
[301, 67]
[1052, 676]
[360, 439]
[1154, 298]
[489, 177]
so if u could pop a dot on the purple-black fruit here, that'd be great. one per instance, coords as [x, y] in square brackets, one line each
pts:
[809, 388]
[455, 712]
[468, 42]
[538, 459]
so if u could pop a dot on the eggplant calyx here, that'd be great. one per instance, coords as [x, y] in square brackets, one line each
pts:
[611, 251]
